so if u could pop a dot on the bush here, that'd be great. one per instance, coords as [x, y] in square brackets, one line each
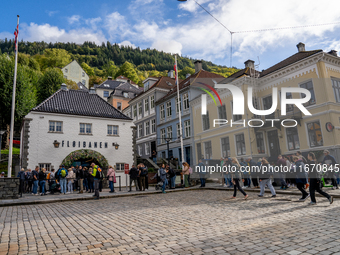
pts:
[151, 170]
[6, 152]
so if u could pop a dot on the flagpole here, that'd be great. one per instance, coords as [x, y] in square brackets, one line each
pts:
[179, 112]
[9, 173]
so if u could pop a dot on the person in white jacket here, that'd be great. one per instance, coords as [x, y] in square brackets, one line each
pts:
[70, 179]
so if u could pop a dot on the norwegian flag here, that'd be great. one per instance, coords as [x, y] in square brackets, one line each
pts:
[16, 33]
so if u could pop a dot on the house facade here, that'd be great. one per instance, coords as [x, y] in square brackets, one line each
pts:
[316, 71]
[75, 127]
[121, 95]
[167, 116]
[142, 110]
[74, 72]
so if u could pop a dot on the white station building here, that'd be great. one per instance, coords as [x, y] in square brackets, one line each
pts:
[75, 127]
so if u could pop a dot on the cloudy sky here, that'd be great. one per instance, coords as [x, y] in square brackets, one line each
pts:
[182, 27]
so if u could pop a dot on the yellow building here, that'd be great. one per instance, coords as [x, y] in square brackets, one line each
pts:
[317, 71]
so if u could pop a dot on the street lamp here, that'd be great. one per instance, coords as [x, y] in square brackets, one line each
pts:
[56, 144]
[116, 145]
[168, 139]
[1, 133]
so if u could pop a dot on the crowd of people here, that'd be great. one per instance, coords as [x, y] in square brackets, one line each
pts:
[65, 181]
[303, 173]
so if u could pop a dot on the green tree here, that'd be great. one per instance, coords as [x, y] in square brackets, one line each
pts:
[89, 70]
[56, 58]
[49, 83]
[111, 69]
[186, 70]
[71, 84]
[128, 71]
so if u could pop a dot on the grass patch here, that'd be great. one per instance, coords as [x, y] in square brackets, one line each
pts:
[15, 151]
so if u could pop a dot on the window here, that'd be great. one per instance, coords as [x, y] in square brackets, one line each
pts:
[222, 113]
[199, 151]
[186, 101]
[125, 94]
[119, 106]
[178, 103]
[225, 146]
[65, 76]
[314, 134]
[187, 128]
[66, 70]
[147, 128]
[289, 107]
[162, 112]
[83, 82]
[140, 150]
[146, 86]
[260, 143]
[106, 93]
[83, 74]
[162, 135]
[146, 105]
[308, 85]
[292, 138]
[85, 128]
[267, 104]
[147, 149]
[153, 126]
[140, 130]
[140, 108]
[178, 130]
[336, 89]
[169, 132]
[240, 145]
[134, 110]
[112, 130]
[152, 102]
[205, 119]
[47, 166]
[55, 126]
[120, 167]
[235, 117]
[168, 109]
[208, 150]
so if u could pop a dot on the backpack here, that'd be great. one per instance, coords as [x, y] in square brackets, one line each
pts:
[99, 174]
[63, 173]
[48, 176]
[28, 176]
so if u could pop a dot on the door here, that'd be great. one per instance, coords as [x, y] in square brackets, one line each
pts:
[153, 148]
[274, 145]
[188, 154]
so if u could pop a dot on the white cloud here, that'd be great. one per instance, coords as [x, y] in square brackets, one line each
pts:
[73, 19]
[169, 46]
[8, 35]
[51, 13]
[127, 43]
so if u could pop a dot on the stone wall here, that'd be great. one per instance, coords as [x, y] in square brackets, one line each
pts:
[9, 188]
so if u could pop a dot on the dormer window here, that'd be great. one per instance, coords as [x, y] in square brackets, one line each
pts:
[106, 85]
[125, 94]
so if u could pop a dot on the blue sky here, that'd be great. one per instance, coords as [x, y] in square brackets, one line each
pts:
[183, 28]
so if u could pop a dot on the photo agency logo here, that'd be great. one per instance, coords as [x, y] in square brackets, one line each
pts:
[239, 102]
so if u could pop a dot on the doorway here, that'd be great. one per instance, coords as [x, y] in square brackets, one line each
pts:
[274, 144]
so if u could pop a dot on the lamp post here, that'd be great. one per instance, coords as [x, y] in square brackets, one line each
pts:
[168, 139]
[1, 133]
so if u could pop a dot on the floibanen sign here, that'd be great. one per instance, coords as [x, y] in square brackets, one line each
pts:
[238, 105]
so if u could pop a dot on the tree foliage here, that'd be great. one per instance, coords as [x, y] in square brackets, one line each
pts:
[128, 71]
[49, 83]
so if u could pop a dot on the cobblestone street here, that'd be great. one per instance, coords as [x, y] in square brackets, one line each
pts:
[190, 222]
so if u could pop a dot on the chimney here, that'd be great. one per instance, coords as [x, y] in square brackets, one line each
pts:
[250, 63]
[171, 74]
[333, 52]
[301, 47]
[129, 81]
[198, 66]
[92, 90]
[187, 75]
[109, 78]
[63, 86]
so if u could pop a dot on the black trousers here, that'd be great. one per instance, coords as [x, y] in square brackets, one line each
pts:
[301, 186]
[315, 185]
[22, 187]
[255, 182]
[237, 186]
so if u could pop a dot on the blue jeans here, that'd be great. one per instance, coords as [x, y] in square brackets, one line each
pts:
[173, 180]
[154, 160]
[111, 186]
[165, 182]
[86, 184]
[227, 180]
[202, 182]
[42, 186]
[63, 185]
[35, 186]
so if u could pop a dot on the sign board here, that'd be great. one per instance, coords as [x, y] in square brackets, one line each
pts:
[126, 168]
[329, 127]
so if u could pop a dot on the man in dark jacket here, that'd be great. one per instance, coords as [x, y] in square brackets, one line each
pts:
[331, 162]
[300, 177]
[35, 180]
[281, 162]
[21, 176]
[80, 178]
[172, 176]
[133, 176]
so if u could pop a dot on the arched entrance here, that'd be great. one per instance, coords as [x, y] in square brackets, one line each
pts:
[85, 158]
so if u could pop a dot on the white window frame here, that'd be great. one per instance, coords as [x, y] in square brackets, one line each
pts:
[186, 101]
[323, 141]
[178, 103]
[205, 150]
[112, 130]
[187, 128]
[147, 149]
[309, 104]
[227, 152]
[134, 111]
[244, 140]
[120, 166]
[120, 106]
[55, 126]
[140, 130]
[152, 102]
[147, 128]
[104, 92]
[287, 141]
[153, 126]
[86, 126]
[162, 135]
[47, 166]
[146, 105]
[140, 109]
[161, 112]
[169, 132]
[168, 109]
[178, 130]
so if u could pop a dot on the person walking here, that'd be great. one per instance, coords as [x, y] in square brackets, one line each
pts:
[254, 169]
[133, 173]
[331, 162]
[61, 176]
[97, 176]
[21, 176]
[300, 177]
[265, 178]
[42, 181]
[172, 176]
[236, 177]
[281, 162]
[111, 176]
[186, 172]
[162, 176]
[35, 180]
[142, 174]
[80, 178]
[315, 180]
